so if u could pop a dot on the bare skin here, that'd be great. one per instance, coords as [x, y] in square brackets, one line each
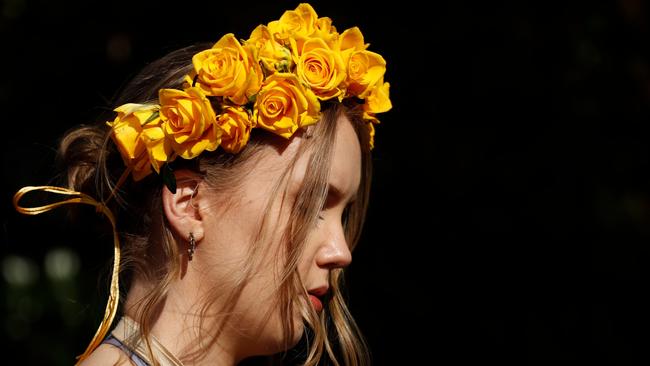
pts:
[222, 236]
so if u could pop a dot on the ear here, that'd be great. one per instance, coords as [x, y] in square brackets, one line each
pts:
[182, 208]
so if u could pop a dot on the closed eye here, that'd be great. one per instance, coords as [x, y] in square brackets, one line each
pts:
[334, 198]
[345, 217]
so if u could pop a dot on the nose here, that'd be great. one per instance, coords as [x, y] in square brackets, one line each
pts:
[334, 253]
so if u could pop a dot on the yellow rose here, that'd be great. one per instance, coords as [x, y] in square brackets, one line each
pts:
[298, 24]
[136, 130]
[236, 126]
[273, 55]
[227, 70]
[365, 69]
[326, 31]
[159, 148]
[350, 41]
[284, 105]
[378, 101]
[189, 121]
[321, 69]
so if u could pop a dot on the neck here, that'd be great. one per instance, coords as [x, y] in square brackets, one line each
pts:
[181, 329]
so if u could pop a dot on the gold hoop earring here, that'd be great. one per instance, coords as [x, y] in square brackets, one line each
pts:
[192, 248]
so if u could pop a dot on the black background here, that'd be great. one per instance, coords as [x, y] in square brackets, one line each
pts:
[510, 213]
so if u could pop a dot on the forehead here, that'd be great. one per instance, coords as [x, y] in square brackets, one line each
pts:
[345, 171]
[345, 168]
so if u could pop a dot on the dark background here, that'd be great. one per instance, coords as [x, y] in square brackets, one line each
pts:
[510, 214]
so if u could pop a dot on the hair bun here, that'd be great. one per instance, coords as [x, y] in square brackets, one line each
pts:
[79, 152]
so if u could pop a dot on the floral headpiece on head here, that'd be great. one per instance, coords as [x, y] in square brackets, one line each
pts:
[275, 80]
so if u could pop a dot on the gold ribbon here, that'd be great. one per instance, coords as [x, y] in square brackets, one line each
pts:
[81, 198]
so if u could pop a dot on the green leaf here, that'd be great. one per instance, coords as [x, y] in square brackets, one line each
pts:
[283, 66]
[168, 177]
[153, 116]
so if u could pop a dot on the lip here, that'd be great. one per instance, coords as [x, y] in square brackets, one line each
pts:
[316, 303]
[319, 291]
[315, 296]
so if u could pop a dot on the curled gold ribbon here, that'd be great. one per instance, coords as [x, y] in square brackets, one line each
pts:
[81, 198]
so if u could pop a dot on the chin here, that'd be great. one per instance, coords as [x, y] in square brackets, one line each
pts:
[275, 341]
[298, 330]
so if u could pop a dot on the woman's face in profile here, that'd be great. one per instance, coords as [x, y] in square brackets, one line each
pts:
[229, 232]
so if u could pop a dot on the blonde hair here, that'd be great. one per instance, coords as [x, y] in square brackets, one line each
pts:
[93, 164]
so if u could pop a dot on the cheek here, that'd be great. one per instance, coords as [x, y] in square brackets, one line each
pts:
[305, 263]
[307, 259]
[261, 305]
[229, 232]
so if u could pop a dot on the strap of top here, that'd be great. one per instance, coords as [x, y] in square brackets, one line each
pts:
[127, 331]
[135, 358]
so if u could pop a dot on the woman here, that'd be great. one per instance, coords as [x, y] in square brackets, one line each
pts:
[236, 178]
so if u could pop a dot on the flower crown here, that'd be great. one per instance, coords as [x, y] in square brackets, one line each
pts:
[275, 80]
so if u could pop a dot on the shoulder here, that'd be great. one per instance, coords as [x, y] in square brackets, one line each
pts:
[107, 354]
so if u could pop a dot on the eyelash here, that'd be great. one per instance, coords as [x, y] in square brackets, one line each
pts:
[344, 216]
